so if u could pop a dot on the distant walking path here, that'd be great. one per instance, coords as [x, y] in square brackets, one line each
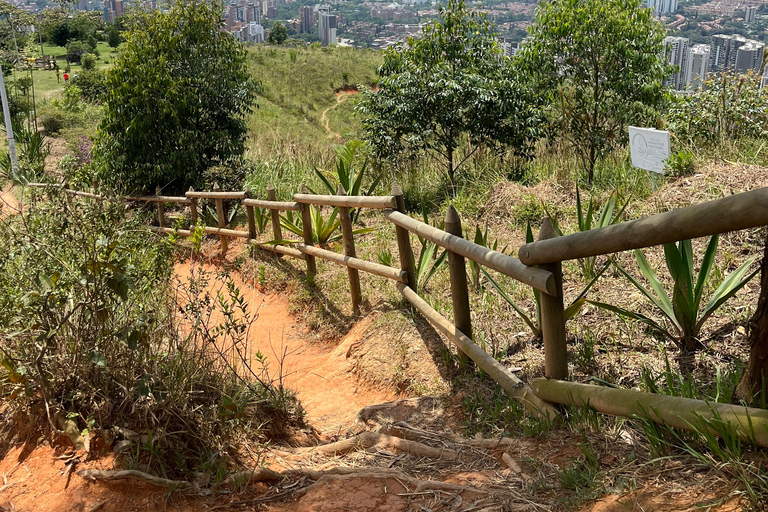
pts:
[341, 97]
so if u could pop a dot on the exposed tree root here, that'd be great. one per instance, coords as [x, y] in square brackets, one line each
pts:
[129, 474]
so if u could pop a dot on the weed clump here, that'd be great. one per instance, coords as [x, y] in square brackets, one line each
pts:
[96, 338]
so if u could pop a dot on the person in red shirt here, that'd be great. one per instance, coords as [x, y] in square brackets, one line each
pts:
[66, 76]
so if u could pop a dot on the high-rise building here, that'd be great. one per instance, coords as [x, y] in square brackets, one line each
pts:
[82, 5]
[253, 13]
[662, 6]
[749, 56]
[327, 27]
[697, 66]
[676, 53]
[724, 50]
[750, 13]
[306, 17]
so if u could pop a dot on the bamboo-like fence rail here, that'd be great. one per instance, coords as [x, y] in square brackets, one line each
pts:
[539, 266]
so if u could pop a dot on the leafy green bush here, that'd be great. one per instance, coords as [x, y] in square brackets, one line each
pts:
[92, 340]
[729, 106]
[91, 84]
[88, 61]
[76, 50]
[680, 163]
[52, 123]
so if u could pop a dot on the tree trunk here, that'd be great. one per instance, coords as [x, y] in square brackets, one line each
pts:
[750, 387]
[451, 172]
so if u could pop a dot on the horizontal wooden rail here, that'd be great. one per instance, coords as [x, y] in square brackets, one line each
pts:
[685, 413]
[86, 194]
[365, 266]
[169, 231]
[381, 202]
[506, 379]
[281, 249]
[272, 205]
[739, 211]
[45, 185]
[215, 195]
[226, 232]
[536, 277]
[160, 199]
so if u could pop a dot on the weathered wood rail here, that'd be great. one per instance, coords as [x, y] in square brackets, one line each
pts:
[539, 266]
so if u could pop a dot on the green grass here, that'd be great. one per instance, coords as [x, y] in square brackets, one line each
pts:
[298, 84]
[46, 84]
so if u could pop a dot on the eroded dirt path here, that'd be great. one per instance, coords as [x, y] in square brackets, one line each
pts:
[9, 205]
[341, 97]
[319, 374]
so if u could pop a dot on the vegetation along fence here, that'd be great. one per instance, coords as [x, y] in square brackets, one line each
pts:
[539, 266]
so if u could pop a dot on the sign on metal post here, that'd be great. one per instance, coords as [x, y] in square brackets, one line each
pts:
[649, 148]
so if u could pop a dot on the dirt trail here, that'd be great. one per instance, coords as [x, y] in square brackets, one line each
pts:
[319, 374]
[9, 205]
[341, 97]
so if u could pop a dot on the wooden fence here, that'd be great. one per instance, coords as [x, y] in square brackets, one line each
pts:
[539, 266]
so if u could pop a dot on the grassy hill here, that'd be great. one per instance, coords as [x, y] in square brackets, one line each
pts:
[298, 86]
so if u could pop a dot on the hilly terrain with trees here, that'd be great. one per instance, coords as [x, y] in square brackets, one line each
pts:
[187, 347]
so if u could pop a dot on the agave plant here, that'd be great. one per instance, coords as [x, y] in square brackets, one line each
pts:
[324, 231]
[481, 238]
[587, 221]
[534, 324]
[683, 312]
[348, 176]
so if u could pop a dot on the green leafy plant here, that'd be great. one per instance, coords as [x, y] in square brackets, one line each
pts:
[587, 221]
[481, 238]
[683, 312]
[324, 231]
[534, 324]
[348, 176]
[680, 163]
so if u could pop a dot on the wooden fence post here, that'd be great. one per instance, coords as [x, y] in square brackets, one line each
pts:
[222, 221]
[275, 215]
[160, 208]
[459, 288]
[251, 219]
[193, 209]
[404, 241]
[553, 317]
[306, 221]
[349, 250]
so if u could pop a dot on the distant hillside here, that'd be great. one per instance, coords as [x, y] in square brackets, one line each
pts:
[298, 86]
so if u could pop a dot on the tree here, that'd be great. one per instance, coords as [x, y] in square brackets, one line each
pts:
[114, 38]
[598, 64]
[178, 94]
[277, 34]
[451, 86]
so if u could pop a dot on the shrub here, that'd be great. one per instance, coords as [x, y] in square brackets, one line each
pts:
[75, 50]
[92, 85]
[52, 123]
[92, 339]
[88, 61]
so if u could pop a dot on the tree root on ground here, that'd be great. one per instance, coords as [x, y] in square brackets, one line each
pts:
[109, 476]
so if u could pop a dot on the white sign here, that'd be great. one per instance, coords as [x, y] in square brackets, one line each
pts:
[649, 148]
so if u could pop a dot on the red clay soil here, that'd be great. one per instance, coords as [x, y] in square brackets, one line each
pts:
[35, 478]
[319, 374]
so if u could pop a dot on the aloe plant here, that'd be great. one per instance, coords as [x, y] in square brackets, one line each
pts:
[534, 324]
[348, 176]
[324, 231]
[683, 312]
[587, 221]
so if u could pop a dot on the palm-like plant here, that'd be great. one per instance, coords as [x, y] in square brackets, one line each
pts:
[683, 311]
[588, 220]
[348, 176]
[324, 231]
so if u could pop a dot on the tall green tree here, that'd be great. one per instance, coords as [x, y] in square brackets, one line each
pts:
[598, 64]
[277, 34]
[448, 93]
[179, 91]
